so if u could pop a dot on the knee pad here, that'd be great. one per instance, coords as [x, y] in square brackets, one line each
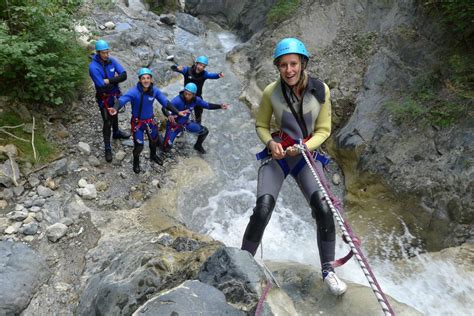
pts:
[137, 148]
[204, 131]
[260, 217]
[323, 216]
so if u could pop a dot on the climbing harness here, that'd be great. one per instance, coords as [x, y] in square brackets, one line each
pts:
[349, 237]
[104, 97]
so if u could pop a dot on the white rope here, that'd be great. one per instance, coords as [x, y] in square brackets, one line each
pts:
[383, 303]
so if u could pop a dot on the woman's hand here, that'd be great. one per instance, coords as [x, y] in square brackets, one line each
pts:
[293, 151]
[276, 149]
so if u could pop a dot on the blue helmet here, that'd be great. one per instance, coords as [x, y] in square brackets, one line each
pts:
[101, 45]
[144, 71]
[191, 87]
[290, 45]
[202, 60]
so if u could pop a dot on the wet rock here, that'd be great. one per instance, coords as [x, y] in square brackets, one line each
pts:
[56, 231]
[23, 272]
[190, 24]
[44, 192]
[185, 244]
[169, 19]
[189, 298]
[235, 273]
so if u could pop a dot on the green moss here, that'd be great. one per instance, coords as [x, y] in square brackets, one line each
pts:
[45, 150]
[282, 10]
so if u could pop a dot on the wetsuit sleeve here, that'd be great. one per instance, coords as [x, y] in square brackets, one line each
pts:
[322, 127]
[211, 75]
[264, 115]
[120, 78]
[160, 97]
[206, 105]
[96, 76]
[183, 72]
[170, 107]
[124, 99]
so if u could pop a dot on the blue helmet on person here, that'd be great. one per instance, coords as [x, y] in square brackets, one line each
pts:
[290, 45]
[144, 71]
[191, 87]
[202, 60]
[101, 45]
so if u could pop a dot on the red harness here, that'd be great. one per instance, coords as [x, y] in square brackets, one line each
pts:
[104, 97]
[136, 123]
[285, 139]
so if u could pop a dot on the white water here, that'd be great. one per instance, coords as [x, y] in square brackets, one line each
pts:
[221, 207]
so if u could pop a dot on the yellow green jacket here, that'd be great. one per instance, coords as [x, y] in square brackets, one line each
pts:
[316, 113]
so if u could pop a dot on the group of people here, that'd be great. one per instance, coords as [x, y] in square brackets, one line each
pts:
[107, 73]
[299, 103]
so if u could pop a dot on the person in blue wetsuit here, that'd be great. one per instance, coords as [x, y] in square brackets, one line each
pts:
[143, 121]
[188, 101]
[197, 75]
[106, 73]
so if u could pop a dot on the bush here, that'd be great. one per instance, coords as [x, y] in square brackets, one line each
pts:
[40, 59]
[282, 10]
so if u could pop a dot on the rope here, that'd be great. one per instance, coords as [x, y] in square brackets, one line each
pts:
[348, 236]
[270, 280]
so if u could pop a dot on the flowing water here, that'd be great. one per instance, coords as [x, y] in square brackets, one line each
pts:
[221, 205]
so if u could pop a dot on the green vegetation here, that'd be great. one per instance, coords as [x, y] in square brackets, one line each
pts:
[162, 6]
[458, 15]
[44, 150]
[442, 97]
[282, 10]
[40, 59]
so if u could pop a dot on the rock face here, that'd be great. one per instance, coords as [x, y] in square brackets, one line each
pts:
[22, 272]
[189, 298]
[246, 17]
[424, 176]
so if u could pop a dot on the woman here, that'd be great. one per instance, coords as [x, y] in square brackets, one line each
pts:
[302, 109]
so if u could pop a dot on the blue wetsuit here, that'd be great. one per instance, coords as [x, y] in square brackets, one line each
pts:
[190, 75]
[184, 123]
[107, 93]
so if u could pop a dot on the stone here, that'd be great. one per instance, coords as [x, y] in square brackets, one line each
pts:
[3, 204]
[13, 229]
[9, 173]
[82, 183]
[189, 298]
[56, 231]
[19, 207]
[44, 192]
[18, 190]
[84, 148]
[67, 221]
[35, 209]
[39, 217]
[17, 216]
[23, 272]
[336, 179]
[51, 184]
[30, 229]
[9, 150]
[56, 169]
[89, 192]
[93, 161]
[110, 25]
[120, 155]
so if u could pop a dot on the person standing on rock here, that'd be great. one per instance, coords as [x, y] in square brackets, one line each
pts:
[143, 120]
[301, 107]
[197, 75]
[187, 100]
[106, 73]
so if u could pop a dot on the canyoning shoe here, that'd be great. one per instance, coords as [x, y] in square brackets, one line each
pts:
[108, 155]
[120, 135]
[156, 159]
[335, 285]
[199, 148]
[136, 165]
